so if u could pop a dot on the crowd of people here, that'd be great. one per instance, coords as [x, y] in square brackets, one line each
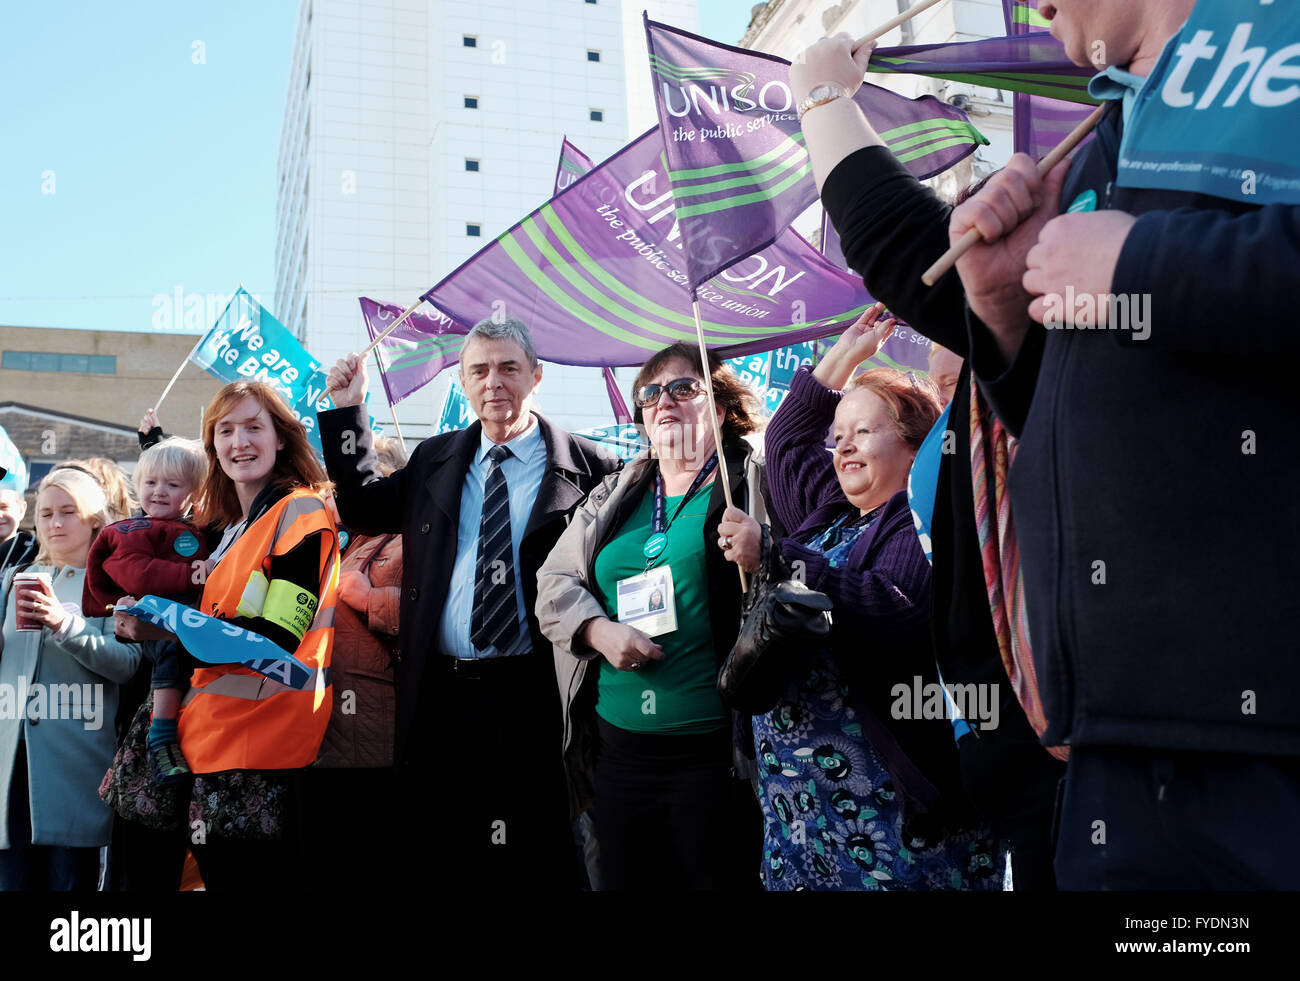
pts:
[496, 663]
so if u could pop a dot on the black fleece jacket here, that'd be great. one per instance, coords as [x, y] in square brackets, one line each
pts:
[1154, 492]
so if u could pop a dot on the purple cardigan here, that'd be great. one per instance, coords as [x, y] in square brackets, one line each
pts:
[887, 579]
[881, 597]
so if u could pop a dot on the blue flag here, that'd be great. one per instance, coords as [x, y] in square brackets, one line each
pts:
[12, 461]
[456, 413]
[248, 344]
[216, 641]
[625, 440]
[1218, 114]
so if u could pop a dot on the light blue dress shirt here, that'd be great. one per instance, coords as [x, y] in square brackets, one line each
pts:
[1113, 83]
[523, 471]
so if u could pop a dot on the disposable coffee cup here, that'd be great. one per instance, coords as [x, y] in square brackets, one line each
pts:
[26, 582]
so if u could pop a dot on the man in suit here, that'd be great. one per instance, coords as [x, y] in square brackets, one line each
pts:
[478, 712]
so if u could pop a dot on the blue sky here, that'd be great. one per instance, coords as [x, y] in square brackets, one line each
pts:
[163, 169]
[140, 153]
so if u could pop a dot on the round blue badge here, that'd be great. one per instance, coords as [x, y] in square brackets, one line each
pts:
[655, 544]
[1087, 201]
[186, 544]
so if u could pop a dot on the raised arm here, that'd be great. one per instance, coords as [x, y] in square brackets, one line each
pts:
[368, 502]
[800, 474]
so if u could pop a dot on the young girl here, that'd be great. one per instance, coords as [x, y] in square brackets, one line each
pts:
[162, 554]
[54, 747]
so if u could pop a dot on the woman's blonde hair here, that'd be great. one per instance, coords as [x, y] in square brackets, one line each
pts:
[86, 494]
[389, 452]
[175, 458]
[295, 464]
[112, 479]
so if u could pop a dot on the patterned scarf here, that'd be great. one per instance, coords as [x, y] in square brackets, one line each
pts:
[992, 451]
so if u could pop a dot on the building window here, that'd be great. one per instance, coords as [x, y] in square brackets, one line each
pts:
[79, 364]
[598, 115]
[473, 229]
[469, 41]
[471, 102]
[593, 55]
[471, 165]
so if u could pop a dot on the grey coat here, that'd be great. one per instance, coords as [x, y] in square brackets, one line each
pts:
[565, 600]
[62, 698]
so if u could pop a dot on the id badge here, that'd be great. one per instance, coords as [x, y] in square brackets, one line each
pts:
[646, 602]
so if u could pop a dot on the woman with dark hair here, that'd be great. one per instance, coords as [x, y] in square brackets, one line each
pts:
[646, 734]
[858, 792]
[244, 732]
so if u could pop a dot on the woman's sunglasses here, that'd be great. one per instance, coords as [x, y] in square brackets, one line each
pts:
[681, 389]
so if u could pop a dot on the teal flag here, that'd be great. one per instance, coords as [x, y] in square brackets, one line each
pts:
[1218, 114]
[12, 461]
[216, 641]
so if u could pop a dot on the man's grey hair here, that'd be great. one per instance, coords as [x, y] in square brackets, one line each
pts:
[504, 329]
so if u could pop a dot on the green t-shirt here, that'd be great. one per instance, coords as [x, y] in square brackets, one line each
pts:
[678, 695]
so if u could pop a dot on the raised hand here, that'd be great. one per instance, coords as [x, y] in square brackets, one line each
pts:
[832, 59]
[862, 340]
[346, 383]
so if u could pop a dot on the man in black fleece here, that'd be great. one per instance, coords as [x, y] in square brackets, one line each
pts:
[1154, 491]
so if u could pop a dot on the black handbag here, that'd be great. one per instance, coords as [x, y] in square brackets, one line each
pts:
[783, 622]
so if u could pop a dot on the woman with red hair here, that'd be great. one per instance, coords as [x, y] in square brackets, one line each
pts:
[244, 732]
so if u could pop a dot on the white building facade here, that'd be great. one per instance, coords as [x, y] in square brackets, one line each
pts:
[787, 27]
[416, 131]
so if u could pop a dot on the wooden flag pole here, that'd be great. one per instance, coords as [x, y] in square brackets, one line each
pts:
[395, 324]
[179, 369]
[972, 236]
[713, 418]
[893, 22]
[379, 363]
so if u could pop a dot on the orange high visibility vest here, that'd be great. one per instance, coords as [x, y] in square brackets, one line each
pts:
[233, 717]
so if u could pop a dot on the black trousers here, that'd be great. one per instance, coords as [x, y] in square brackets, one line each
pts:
[350, 833]
[25, 867]
[670, 816]
[482, 787]
[1135, 819]
[148, 860]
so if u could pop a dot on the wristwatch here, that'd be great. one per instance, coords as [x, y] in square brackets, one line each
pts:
[820, 95]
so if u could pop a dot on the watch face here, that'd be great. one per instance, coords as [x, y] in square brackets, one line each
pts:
[823, 91]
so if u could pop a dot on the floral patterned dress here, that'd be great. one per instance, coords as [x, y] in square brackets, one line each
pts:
[831, 819]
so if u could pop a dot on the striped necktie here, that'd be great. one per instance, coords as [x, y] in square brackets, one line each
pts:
[992, 451]
[495, 621]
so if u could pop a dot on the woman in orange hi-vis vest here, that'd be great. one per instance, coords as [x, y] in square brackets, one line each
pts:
[246, 735]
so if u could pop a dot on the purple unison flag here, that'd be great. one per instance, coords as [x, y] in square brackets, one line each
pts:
[573, 164]
[415, 352]
[598, 273]
[1031, 63]
[622, 415]
[739, 171]
[830, 243]
[1040, 123]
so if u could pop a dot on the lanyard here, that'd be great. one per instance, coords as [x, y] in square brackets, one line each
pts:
[658, 539]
